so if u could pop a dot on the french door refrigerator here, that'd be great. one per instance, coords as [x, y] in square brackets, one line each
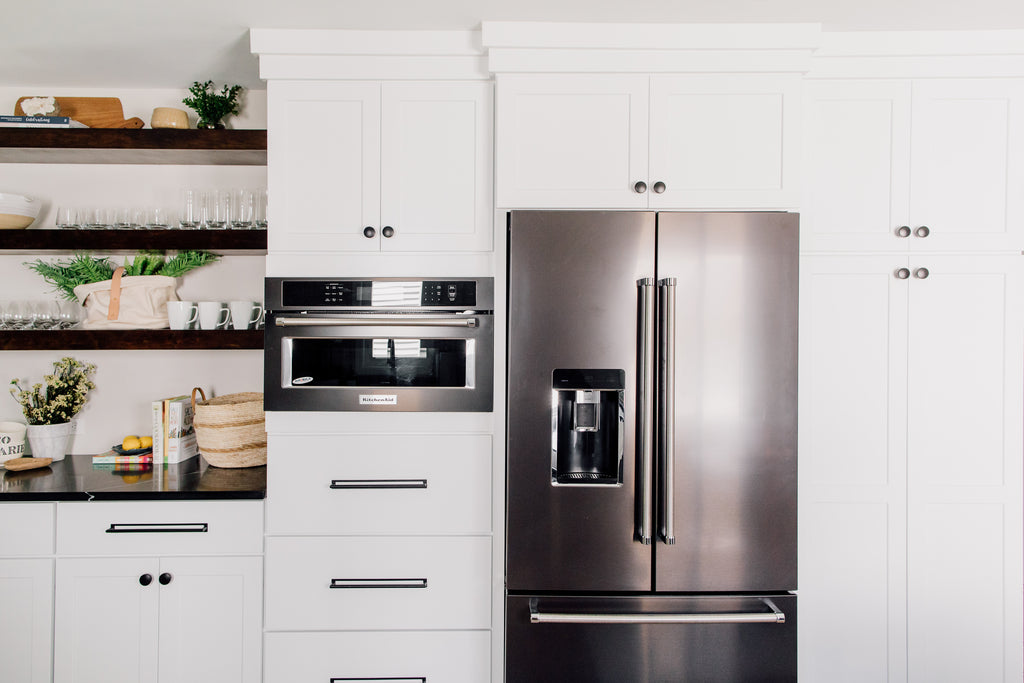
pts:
[651, 455]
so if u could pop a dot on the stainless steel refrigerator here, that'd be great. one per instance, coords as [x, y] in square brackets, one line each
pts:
[651, 522]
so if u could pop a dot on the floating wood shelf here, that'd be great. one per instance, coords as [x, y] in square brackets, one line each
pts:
[126, 146]
[69, 240]
[76, 340]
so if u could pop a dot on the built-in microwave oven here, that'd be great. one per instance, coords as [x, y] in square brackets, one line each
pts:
[379, 344]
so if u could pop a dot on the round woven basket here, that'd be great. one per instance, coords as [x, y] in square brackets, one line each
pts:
[230, 429]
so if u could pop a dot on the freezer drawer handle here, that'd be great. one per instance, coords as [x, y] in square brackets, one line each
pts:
[377, 321]
[378, 583]
[378, 483]
[160, 528]
[776, 616]
[388, 679]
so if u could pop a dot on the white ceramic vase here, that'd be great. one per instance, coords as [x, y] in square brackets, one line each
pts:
[49, 441]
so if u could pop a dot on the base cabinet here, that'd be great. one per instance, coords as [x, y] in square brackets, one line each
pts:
[385, 657]
[26, 593]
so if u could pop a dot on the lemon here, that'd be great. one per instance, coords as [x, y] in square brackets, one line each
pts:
[145, 442]
[131, 442]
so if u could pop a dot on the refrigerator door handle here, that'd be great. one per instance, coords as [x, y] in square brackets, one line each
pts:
[645, 379]
[774, 616]
[666, 407]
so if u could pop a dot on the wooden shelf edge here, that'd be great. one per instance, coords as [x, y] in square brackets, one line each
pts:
[83, 340]
[254, 241]
[244, 147]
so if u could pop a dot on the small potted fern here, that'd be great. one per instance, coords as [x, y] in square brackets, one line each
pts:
[210, 106]
[131, 296]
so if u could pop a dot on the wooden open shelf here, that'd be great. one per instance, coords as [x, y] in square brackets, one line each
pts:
[253, 241]
[77, 340]
[127, 146]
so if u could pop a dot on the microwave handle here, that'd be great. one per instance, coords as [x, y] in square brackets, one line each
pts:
[376, 321]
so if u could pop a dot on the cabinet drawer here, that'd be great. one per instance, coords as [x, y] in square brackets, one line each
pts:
[160, 528]
[406, 657]
[389, 583]
[28, 529]
[379, 484]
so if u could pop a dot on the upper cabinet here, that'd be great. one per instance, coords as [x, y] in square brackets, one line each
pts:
[648, 116]
[379, 166]
[639, 141]
[378, 141]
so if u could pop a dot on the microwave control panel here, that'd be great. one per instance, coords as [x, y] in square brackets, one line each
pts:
[378, 293]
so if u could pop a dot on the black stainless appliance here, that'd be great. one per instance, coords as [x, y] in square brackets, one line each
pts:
[379, 344]
[651, 526]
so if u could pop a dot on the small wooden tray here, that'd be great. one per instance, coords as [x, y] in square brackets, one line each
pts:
[19, 464]
[95, 112]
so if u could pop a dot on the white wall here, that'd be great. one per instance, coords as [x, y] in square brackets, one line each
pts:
[127, 381]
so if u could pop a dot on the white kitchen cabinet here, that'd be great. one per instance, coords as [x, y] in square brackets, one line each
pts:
[910, 468]
[639, 140]
[387, 657]
[191, 613]
[379, 166]
[26, 591]
[902, 165]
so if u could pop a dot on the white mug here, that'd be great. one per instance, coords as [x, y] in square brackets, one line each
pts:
[181, 314]
[210, 315]
[244, 313]
[12, 440]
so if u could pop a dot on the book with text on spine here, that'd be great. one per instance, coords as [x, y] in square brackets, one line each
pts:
[35, 121]
[181, 434]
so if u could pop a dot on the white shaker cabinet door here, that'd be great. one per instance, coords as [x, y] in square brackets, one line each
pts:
[724, 141]
[967, 154]
[965, 381]
[571, 141]
[436, 160]
[856, 166]
[26, 593]
[323, 156]
[105, 620]
[852, 487]
[211, 617]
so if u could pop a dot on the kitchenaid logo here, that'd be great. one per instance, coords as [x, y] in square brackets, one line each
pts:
[378, 399]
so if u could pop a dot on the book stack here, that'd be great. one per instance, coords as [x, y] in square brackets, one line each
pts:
[34, 121]
[174, 437]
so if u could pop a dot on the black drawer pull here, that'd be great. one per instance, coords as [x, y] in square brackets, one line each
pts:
[386, 679]
[378, 483]
[161, 528]
[378, 583]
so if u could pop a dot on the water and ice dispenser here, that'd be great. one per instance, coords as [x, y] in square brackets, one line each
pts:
[587, 422]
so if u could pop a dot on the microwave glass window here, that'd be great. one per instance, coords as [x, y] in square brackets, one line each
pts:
[381, 362]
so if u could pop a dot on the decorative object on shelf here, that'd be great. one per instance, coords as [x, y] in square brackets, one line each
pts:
[49, 410]
[17, 211]
[40, 106]
[12, 440]
[89, 112]
[230, 429]
[169, 117]
[210, 106]
[132, 296]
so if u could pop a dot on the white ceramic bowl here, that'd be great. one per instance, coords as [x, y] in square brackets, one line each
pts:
[17, 211]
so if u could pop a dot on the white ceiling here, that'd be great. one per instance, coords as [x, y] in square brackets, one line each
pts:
[170, 43]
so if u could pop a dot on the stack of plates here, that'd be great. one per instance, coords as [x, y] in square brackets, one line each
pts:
[17, 211]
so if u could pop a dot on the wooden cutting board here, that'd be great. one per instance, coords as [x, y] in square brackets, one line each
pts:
[95, 112]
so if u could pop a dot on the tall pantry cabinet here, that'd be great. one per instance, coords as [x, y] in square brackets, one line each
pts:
[912, 378]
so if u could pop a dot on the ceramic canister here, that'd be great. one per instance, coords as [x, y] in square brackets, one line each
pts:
[12, 440]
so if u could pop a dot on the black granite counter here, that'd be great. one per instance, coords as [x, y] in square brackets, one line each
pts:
[76, 478]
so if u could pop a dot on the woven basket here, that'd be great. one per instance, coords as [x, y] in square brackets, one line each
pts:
[230, 429]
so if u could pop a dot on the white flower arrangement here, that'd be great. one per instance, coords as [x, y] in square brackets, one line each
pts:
[40, 106]
[65, 394]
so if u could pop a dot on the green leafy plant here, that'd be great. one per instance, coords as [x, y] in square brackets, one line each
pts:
[83, 268]
[211, 106]
[65, 393]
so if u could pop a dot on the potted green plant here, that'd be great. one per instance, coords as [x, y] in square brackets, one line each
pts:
[49, 410]
[210, 105]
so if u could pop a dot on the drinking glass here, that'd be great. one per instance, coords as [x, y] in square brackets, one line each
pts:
[242, 208]
[191, 209]
[124, 218]
[67, 217]
[157, 218]
[15, 314]
[69, 313]
[259, 209]
[218, 208]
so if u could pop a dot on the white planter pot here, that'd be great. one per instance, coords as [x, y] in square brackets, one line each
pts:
[49, 441]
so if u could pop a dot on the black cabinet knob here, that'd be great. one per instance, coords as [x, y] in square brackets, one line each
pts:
[922, 231]
[921, 273]
[659, 187]
[146, 579]
[640, 187]
[165, 578]
[369, 232]
[387, 231]
[903, 231]
[902, 273]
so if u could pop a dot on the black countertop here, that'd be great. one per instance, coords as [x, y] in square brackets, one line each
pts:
[76, 478]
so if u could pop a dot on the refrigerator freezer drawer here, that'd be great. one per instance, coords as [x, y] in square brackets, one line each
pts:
[731, 639]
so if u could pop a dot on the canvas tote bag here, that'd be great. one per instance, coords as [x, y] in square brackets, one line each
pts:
[127, 303]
